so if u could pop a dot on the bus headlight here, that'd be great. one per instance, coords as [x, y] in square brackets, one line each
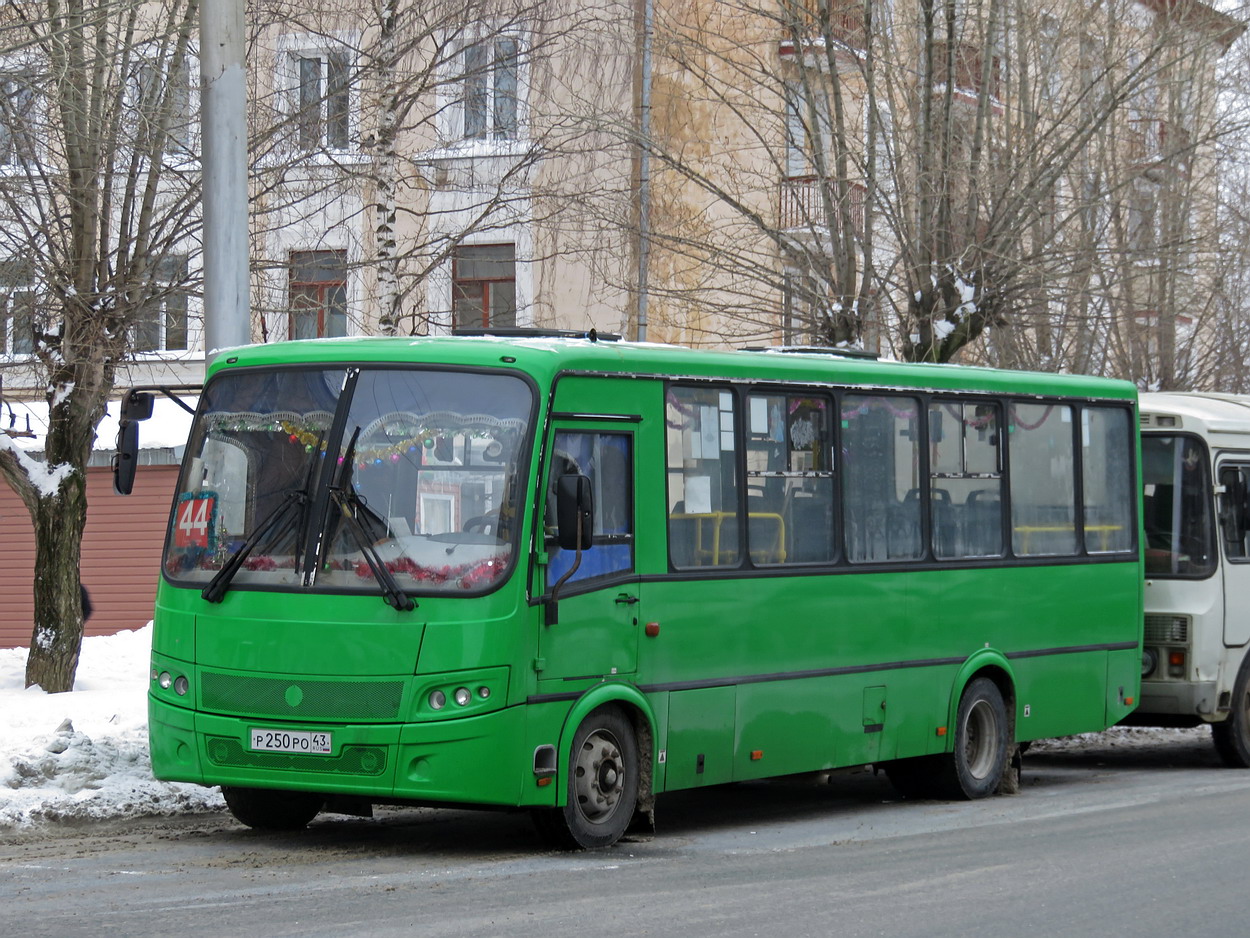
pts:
[181, 686]
[165, 680]
[438, 700]
[462, 696]
[1149, 661]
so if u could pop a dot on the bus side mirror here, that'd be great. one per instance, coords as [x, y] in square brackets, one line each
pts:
[136, 406]
[126, 459]
[575, 510]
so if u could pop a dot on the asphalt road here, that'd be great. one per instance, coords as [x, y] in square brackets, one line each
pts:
[1143, 841]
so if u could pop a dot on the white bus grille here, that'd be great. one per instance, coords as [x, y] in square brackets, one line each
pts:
[1171, 630]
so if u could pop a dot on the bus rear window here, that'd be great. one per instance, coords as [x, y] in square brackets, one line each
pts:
[1177, 516]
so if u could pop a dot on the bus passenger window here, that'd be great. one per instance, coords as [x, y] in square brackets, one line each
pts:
[1107, 479]
[880, 462]
[1042, 449]
[702, 478]
[604, 458]
[965, 478]
[789, 480]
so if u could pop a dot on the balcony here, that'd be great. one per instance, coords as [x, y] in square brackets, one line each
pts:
[802, 20]
[1158, 144]
[801, 205]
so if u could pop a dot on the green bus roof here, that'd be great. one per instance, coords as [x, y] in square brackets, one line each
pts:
[544, 357]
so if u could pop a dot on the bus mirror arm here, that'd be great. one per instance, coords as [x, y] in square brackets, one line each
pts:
[575, 509]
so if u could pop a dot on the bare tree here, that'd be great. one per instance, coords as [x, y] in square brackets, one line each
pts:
[441, 128]
[98, 196]
[922, 171]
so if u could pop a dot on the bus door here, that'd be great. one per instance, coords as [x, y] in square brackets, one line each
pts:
[597, 609]
[1234, 524]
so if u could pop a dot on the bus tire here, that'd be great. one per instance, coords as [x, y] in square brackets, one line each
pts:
[975, 767]
[270, 810]
[1232, 735]
[602, 785]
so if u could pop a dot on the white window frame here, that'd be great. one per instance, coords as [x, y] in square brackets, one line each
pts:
[8, 321]
[31, 69]
[184, 141]
[452, 126]
[293, 49]
[161, 304]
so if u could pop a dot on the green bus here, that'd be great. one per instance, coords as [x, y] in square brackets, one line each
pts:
[566, 573]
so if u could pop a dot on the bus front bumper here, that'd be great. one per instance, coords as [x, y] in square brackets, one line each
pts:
[1178, 699]
[465, 760]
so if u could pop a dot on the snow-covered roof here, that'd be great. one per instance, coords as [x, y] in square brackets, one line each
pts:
[168, 427]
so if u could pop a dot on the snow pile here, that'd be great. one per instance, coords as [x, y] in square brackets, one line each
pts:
[83, 756]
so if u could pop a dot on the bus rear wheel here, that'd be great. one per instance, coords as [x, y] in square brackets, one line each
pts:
[269, 810]
[602, 785]
[975, 767]
[1232, 736]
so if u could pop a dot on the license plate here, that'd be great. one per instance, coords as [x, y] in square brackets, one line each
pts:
[317, 744]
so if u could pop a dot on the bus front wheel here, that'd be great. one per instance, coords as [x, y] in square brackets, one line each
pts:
[1232, 736]
[602, 785]
[975, 767]
[269, 810]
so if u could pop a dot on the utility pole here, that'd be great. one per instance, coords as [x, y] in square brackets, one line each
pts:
[223, 128]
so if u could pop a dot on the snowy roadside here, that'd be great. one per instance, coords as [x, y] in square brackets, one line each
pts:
[83, 756]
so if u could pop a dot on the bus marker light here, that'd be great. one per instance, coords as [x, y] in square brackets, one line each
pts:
[1176, 657]
[484, 692]
[1128, 701]
[652, 629]
[757, 755]
[545, 781]
[941, 731]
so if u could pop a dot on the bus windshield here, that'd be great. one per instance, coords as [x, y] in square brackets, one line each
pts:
[422, 484]
[1177, 511]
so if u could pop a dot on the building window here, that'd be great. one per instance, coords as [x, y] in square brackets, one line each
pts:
[161, 324]
[18, 309]
[483, 286]
[17, 118]
[323, 100]
[318, 294]
[490, 106]
[160, 95]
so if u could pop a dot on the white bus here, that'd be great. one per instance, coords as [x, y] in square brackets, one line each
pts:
[1196, 515]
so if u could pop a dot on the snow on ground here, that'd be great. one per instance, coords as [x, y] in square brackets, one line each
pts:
[83, 756]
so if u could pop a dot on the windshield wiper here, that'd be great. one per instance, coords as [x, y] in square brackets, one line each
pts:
[217, 586]
[281, 514]
[348, 502]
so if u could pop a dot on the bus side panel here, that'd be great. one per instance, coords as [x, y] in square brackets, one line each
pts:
[1060, 695]
[784, 727]
[700, 737]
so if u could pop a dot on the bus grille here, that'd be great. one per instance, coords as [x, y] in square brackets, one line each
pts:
[295, 698]
[353, 760]
[1167, 630]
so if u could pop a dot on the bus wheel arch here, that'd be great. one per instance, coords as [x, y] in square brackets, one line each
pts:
[983, 758]
[606, 767]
